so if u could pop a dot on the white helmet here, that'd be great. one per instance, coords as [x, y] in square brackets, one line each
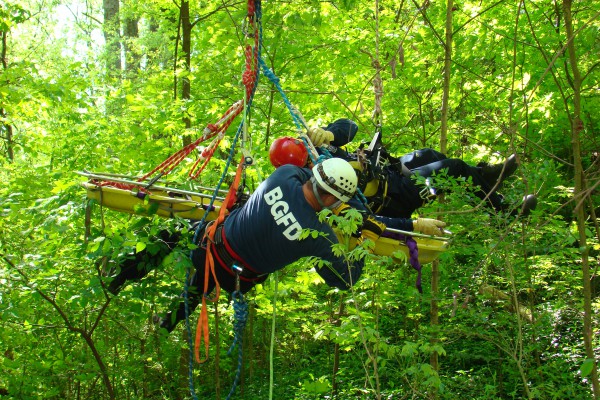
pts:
[337, 177]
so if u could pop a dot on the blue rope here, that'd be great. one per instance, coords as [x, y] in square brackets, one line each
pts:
[240, 308]
[295, 116]
[300, 124]
[275, 80]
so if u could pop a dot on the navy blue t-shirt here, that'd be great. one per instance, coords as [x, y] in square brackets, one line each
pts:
[264, 232]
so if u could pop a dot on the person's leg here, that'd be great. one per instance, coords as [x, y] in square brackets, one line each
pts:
[421, 157]
[138, 265]
[497, 173]
[195, 291]
[491, 173]
[458, 168]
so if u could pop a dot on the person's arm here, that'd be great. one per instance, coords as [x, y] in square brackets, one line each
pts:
[340, 273]
[343, 131]
[427, 226]
[404, 224]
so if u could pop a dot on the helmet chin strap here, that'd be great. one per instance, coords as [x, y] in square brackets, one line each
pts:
[318, 196]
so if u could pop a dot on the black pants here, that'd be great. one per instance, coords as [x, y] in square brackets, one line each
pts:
[419, 158]
[404, 193]
[140, 264]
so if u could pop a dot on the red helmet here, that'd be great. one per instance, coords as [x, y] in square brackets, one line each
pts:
[287, 150]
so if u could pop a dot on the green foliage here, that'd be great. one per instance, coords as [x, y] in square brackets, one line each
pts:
[511, 293]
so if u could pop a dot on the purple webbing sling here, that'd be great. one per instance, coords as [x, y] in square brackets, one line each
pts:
[414, 260]
[413, 252]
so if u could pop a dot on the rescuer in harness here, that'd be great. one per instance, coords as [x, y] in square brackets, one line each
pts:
[261, 236]
[389, 182]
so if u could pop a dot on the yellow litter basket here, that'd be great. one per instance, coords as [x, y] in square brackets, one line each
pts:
[141, 200]
[429, 247]
[169, 202]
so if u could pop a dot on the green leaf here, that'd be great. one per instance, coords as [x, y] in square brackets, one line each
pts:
[587, 367]
[139, 246]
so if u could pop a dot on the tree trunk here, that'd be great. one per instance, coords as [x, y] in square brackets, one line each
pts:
[8, 134]
[111, 31]
[4, 125]
[132, 54]
[576, 129]
[435, 274]
[186, 47]
[446, 84]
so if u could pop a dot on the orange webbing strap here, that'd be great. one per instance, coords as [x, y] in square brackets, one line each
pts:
[202, 331]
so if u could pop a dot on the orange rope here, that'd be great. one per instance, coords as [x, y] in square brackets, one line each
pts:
[216, 130]
[202, 331]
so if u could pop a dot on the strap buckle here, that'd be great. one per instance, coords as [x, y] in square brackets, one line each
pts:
[238, 271]
[428, 192]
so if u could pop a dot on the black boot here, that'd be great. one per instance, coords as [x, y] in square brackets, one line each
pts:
[167, 322]
[498, 172]
[116, 284]
[529, 204]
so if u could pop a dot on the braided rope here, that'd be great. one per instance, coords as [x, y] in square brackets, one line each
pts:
[240, 308]
[413, 251]
[218, 129]
[296, 116]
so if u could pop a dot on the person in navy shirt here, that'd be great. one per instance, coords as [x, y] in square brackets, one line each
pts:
[263, 235]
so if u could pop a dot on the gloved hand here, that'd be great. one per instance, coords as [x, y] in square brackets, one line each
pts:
[341, 209]
[371, 229]
[429, 226]
[319, 136]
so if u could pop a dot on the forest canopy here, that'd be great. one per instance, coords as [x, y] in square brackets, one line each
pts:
[509, 311]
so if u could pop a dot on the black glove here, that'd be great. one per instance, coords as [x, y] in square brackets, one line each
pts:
[341, 209]
[371, 229]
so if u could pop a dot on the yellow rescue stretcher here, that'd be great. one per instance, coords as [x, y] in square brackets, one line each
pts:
[429, 247]
[138, 198]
